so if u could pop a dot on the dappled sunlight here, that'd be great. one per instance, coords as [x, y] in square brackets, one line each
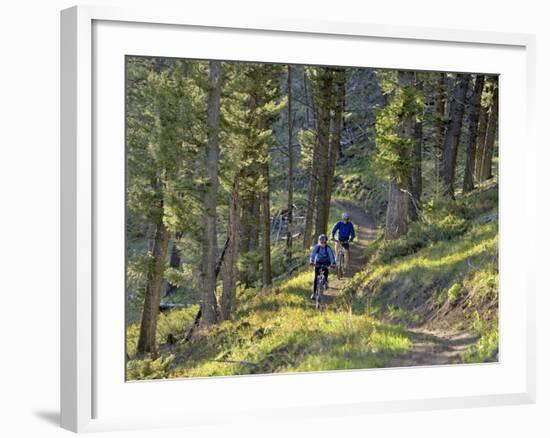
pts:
[291, 338]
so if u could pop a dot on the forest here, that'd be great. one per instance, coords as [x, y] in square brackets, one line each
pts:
[233, 170]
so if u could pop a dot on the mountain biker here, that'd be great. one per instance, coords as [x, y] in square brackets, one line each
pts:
[346, 234]
[321, 257]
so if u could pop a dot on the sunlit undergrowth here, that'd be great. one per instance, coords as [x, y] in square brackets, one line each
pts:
[486, 348]
[278, 332]
[174, 323]
[445, 269]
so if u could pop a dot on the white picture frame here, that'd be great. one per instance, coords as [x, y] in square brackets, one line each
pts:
[91, 37]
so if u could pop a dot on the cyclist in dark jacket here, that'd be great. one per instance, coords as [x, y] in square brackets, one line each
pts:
[346, 234]
[321, 257]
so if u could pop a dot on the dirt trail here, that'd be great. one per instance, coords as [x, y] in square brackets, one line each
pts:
[434, 346]
[365, 232]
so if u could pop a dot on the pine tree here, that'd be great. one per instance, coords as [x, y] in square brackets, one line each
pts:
[473, 117]
[491, 135]
[394, 135]
[209, 306]
[163, 104]
[452, 135]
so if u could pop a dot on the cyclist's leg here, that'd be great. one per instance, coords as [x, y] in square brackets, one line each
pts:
[346, 254]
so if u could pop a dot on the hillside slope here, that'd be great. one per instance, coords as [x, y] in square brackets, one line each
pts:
[428, 298]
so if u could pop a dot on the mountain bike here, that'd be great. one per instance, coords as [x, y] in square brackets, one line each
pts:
[321, 287]
[340, 265]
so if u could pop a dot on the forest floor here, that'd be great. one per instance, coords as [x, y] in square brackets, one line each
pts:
[432, 344]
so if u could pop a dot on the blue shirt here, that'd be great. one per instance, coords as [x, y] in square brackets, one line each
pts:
[345, 231]
[318, 254]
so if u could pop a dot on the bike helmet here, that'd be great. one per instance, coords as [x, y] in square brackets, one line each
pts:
[345, 215]
[323, 238]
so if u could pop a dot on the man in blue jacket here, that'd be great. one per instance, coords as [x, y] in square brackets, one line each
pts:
[321, 257]
[346, 234]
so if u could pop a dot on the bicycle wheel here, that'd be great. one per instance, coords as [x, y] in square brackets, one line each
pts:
[345, 263]
[340, 265]
[319, 293]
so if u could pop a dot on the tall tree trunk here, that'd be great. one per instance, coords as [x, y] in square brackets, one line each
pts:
[398, 198]
[308, 109]
[452, 136]
[474, 110]
[313, 169]
[416, 163]
[175, 263]
[440, 132]
[323, 133]
[149, 315]
[480, 142]
[290, 201]
[396, 215]
[209, 246]
[489, 147]
[255, 226]
[336, 135]
[312, 190]
[266, 228]
[230, 259]
[245, 232]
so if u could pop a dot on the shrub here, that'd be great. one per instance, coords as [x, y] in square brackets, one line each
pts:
[454, 292]
[149, 369]
[420, 235]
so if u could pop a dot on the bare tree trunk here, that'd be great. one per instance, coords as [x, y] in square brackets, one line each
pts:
[416, 163]
[209, 246]
[490, 138]
[440, 133]
[290, 202]
[308, 110]
[310, 208]
[323, 133]
[313, 170]
[230, 259]
[396, 216]
[336, 136]
[255, 226]
[480, 142]
[149, 315]
[245, 232]
[266, 228]
[452, 137]
[475, 105]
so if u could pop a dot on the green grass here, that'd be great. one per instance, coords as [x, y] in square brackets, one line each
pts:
[448, 261]
[279, 332]
[486, 348]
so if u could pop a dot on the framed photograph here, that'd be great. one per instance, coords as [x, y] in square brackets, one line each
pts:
[288, 218]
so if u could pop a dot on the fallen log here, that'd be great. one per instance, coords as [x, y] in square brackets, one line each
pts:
[163, 307]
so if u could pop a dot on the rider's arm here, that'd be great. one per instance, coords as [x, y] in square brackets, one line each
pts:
[331, 257]
[312, 255]
[352, 233]
[334, 229]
